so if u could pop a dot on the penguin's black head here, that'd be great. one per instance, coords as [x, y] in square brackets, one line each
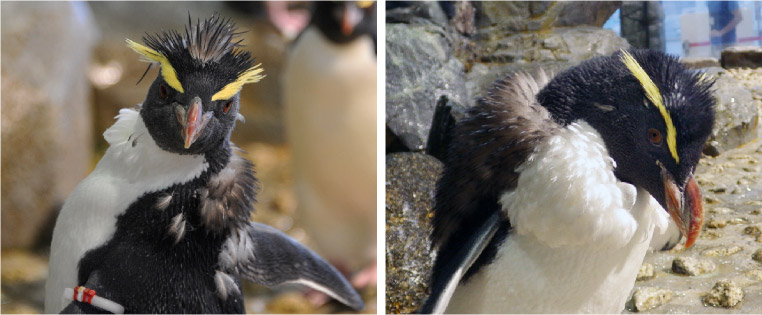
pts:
[654, 116]
[344, 21]
[192, 105]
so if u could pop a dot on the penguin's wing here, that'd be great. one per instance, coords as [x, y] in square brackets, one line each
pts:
[442, 291]
[270, 257]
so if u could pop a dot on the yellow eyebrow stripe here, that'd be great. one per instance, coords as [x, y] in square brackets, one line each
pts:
[364, 4]
[653, 95]
[167, 71]
[252, 75]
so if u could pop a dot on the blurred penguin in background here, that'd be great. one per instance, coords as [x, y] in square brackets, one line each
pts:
[329, 98]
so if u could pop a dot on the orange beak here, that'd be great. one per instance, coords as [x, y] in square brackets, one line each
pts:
[350, 18]
[193, 120]
[684, 207]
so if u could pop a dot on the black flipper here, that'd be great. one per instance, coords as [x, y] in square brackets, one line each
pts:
[456, 268]
[442, 125]
[270, 257]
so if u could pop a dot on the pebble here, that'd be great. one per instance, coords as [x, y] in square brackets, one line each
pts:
[757, 255]
[646, 272]
[752, 230]
[711, 201]
[720, 210]
[725, 293]
[716, 223]
[691, 266]
[647, 298]
[722, 251]
[718, 190]
[710, 235]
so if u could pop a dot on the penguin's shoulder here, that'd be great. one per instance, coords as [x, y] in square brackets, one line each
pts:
[498, 134]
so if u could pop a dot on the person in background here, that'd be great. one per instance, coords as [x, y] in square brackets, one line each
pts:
[725, 16]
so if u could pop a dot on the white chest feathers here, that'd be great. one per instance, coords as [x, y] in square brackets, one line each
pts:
[579, 234]
[132, 166]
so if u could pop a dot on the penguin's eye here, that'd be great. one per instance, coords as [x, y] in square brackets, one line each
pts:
[163, 92]
[654, 136]
[227, 106]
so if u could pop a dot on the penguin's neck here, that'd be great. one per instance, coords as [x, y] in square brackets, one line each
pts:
[219, 183]
[135, 157]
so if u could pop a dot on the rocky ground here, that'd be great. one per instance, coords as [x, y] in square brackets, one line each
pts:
[24, 272]
[722, 272]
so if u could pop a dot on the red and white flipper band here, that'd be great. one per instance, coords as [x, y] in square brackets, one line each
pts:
[88, 296]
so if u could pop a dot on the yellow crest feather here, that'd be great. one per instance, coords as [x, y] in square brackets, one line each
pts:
[364, 4]
[653, 95]
[167, 71]
[252, 75]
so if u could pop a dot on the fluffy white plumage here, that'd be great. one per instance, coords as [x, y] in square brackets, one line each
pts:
[132, 166]
[585, 229]
[329, 95]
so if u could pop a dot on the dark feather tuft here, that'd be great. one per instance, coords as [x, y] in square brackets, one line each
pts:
[211, 46]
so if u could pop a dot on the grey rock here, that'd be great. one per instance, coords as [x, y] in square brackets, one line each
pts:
[590, 13]
[725, 293]
[569, 44]
[757, 256]
[410, 183]
[419, 69]
[637, 14]
[516, 15]
[647, 298]
[464, 17]
[483, 75]
[46, 128]
[741, 57]
[692, 267]
[418, 12]
[737, 115]
[700, 62]
[551, 51]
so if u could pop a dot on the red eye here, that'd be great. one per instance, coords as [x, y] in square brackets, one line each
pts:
[655, 136]
[227, 107]
[163, 92]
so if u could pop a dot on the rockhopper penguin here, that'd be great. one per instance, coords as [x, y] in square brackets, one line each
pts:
[329, 106]
[552, 191]
[162, 224]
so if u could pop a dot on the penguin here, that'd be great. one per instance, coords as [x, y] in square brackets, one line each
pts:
[329, 98]
[553, 189]
[162, 223]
